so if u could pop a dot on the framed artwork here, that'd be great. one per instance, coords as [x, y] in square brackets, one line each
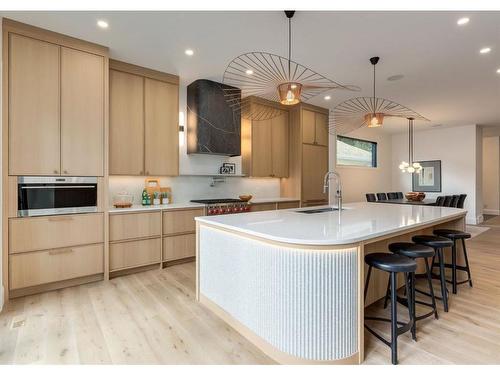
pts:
[429, 179]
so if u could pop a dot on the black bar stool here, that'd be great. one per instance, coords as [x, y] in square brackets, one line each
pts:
[456, 235]
[393, 264]
[438, 244]
[416, 251]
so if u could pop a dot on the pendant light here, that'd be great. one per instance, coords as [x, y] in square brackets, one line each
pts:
[272, 77]
[289, 92]
[374, 119]
[410, 166]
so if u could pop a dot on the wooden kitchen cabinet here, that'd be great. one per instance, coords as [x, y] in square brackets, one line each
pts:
[126, 116]
[33, 107]
[56, 109]
[314, 127]
[82, 113]
[314, 168]
[130, 254]
[161, 105]
[144, 121]
[134, 225]
[264, 147]
[180, 221]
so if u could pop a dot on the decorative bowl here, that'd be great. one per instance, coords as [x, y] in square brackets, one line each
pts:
[415, 197]
[245, 197]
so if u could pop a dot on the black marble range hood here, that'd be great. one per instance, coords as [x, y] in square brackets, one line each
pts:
[212, 126]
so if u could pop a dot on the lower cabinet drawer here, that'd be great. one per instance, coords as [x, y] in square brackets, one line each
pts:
[41, 267]
[50, 232]
[179, 247]
[285, 205]
[134, 253]
[263, 207]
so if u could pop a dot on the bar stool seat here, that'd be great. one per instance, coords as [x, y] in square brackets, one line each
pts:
[432, 241]
[411, 250]
[452, 234]
[393, 264]
[390, 262]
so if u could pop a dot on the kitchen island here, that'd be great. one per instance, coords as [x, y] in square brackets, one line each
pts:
[292, 282]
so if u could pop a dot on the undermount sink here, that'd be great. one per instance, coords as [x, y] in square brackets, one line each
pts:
[318, 210]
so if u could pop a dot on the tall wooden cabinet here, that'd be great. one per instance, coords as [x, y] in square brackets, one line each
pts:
[56, 109]
[308, 155]
[143, 121]
[264, 146]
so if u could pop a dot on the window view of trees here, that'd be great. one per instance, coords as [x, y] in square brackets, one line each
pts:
[356, 152]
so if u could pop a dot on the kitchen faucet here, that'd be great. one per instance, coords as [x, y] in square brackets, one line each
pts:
[326, 186]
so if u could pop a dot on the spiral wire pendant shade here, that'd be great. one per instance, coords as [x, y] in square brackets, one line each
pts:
[275, 78]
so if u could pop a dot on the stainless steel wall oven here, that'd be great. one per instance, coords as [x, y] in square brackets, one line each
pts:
[37, 196]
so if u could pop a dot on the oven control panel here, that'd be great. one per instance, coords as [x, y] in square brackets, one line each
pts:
[228, 208]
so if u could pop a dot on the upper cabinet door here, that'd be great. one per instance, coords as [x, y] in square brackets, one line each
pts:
[33, 107]
[126, 125]
[280, 145]
[262, 165]
[308, 126]
[321, 124]
[82, 113]
[314, 167]
[161, 101]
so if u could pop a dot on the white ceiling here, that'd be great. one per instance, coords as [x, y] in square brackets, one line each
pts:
[445, 77]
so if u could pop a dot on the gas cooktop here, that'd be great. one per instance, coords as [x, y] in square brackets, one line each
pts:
[217, 200]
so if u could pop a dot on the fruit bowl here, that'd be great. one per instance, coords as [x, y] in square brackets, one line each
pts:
[415, 197]
[245, 197]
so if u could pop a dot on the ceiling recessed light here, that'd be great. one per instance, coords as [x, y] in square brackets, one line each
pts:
[328, 97]
[189, 52]
[498, 70]
[102, 24]
[395, 77]
[485, 50]
[249, 71]
[463, 21]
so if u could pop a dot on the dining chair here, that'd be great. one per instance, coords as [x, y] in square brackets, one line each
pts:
[454, 201]
[461, 200]
[447, 200]
[370, 197]
[381, 196]
[392, 195]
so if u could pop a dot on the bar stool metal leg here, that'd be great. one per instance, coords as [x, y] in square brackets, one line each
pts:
[444, 291]
[466, 262]
[431, 289]
[454, 268]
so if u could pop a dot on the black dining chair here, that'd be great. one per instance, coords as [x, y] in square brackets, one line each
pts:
[400, 195]
[447, 200]
[439, 201]
[381, 196]
[461, 200]
[392, 195]
[370, 197]
[454, 201]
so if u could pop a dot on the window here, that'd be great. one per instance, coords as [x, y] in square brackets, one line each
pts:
[356, 152]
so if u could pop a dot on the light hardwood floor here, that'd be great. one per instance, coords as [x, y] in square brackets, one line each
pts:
[151, 318]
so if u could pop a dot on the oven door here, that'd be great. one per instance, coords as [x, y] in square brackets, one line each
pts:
[38, 196]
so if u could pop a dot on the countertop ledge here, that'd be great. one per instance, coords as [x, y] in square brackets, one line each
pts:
[161, 207]
[358, 222]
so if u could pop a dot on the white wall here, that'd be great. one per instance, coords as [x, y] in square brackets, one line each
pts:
[491, 175]
[457, 149]
[1, 194]
[357, 181]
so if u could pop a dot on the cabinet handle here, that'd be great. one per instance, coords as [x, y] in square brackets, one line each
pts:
[60, 251]
[56, 171]
[147, 173]
[141, 173]
[66, 172]
[61, 218]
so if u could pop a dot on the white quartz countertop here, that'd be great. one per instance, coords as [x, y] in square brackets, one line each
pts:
[357, 222]
[138, 207]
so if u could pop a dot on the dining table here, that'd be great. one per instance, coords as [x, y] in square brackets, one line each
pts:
[424, 202]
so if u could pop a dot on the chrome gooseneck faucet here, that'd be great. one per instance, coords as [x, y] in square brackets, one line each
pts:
[326, 186]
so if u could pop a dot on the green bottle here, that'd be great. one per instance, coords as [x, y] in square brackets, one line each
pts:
[144, 198]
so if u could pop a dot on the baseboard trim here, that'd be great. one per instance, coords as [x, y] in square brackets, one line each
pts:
[487, 211]
[1, 297]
